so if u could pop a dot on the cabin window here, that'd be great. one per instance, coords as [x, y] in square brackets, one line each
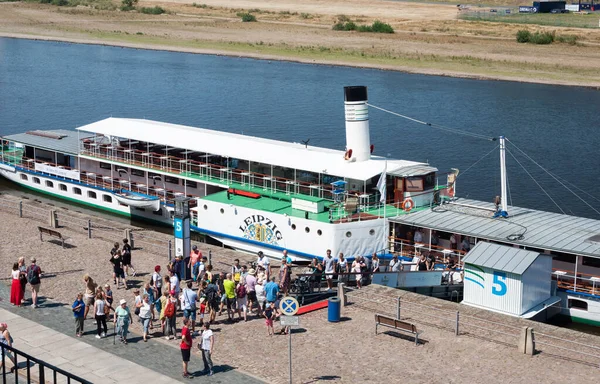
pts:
[307, 230]
[414, 184]
[91, 194]
[23, 176]
[191, 184]
[319, 232]
[107, 198]
[578, 304]
[36, 180]
[49, 184]
[348, 234]
[157, 213]
[372, 232]
[152, 174]
[122, 205]
[105, 165]
[62, 187]
[429, 180]
[564, 257]
[205, 207]
[77, 191]
[139, 209]
[137, 172]
[172, 180]
[293, 226]
[222, 210]
[591, 262]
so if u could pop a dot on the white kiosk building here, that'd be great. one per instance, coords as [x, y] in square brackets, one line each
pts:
[508, 280]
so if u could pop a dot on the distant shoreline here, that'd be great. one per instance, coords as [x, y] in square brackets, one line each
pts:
[292, 58]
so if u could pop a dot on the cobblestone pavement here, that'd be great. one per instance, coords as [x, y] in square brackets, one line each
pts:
[161, 358]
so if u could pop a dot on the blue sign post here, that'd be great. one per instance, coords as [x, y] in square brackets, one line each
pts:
[181, 230]
[289, 307]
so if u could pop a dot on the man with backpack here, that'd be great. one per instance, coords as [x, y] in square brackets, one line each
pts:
[211, 291]
[189, 305]
[34, 274]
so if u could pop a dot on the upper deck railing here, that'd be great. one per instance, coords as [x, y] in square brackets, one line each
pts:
[577, 282]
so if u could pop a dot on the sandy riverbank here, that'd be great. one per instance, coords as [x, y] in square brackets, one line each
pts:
[429, 39]
[347, 352]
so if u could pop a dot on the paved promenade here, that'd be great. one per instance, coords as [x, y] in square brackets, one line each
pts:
[47, 333]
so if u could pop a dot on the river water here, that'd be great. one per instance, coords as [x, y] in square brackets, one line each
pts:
[48, 85]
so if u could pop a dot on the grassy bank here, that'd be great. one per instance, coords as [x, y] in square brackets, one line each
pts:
[444, 47]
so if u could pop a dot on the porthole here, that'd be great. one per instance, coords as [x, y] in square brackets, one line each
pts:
[348, 234]
[205, 207]
[372, 232]
[319, 232]
[222, 210]
[294, 226]
[307, 230]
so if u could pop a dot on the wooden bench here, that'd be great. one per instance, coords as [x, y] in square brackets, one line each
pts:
[390, 322]
[53, 233]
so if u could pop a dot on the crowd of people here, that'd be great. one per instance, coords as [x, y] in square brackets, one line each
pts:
[192, 291]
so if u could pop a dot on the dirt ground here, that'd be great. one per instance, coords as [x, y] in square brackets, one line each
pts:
[344, 352]
[428, 38]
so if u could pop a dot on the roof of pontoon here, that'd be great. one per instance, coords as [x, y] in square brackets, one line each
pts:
[501, 257]
[539, 229]
[255, 149]
[59, 140]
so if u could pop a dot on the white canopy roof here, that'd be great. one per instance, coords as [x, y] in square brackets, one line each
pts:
[255, 149]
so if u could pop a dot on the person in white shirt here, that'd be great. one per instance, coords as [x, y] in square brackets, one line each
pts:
[206, 347]
[174, 284]
[394, 265]
[329, 266]
[263, 264]
[418, 236]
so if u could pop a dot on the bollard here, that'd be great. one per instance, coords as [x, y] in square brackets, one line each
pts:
[170, 250]
[398, 308]
[530, 342]
[53, 222]
[342, 294]
[129, 236]
[89, 229]
[522, 344]
[456, 333]
[20, 209]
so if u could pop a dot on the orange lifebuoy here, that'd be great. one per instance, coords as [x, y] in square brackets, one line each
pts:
[408, 204]
[451, 191]
[348, 154]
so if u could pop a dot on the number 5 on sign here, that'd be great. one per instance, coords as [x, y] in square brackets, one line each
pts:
[499, 285]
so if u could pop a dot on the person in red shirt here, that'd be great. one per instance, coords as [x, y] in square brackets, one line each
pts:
[186, 347]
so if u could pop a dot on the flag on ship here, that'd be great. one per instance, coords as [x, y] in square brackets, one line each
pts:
[381, 184]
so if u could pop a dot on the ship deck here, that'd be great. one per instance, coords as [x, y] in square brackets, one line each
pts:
[280, 203]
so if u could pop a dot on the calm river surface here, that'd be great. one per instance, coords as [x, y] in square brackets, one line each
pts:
[49, 85]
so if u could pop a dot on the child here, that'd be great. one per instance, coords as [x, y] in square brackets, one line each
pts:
[202, 310]
[269, 317]
[78, 309]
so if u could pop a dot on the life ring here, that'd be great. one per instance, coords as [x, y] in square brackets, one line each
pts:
[348, 154]
[451, 191]
[408, 204]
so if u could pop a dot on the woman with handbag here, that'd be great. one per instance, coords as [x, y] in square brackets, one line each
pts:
[145, 315]
[16, 296]
[22, 277]
[101, 310]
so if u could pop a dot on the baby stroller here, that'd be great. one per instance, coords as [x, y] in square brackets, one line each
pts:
[301, 285]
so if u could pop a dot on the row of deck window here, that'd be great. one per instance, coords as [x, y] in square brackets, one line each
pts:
[63, 187]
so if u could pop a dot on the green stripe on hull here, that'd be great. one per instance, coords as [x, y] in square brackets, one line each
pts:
[581, 320]
[62, 197]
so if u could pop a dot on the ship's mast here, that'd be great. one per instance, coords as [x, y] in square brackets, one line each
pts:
[503, 198]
